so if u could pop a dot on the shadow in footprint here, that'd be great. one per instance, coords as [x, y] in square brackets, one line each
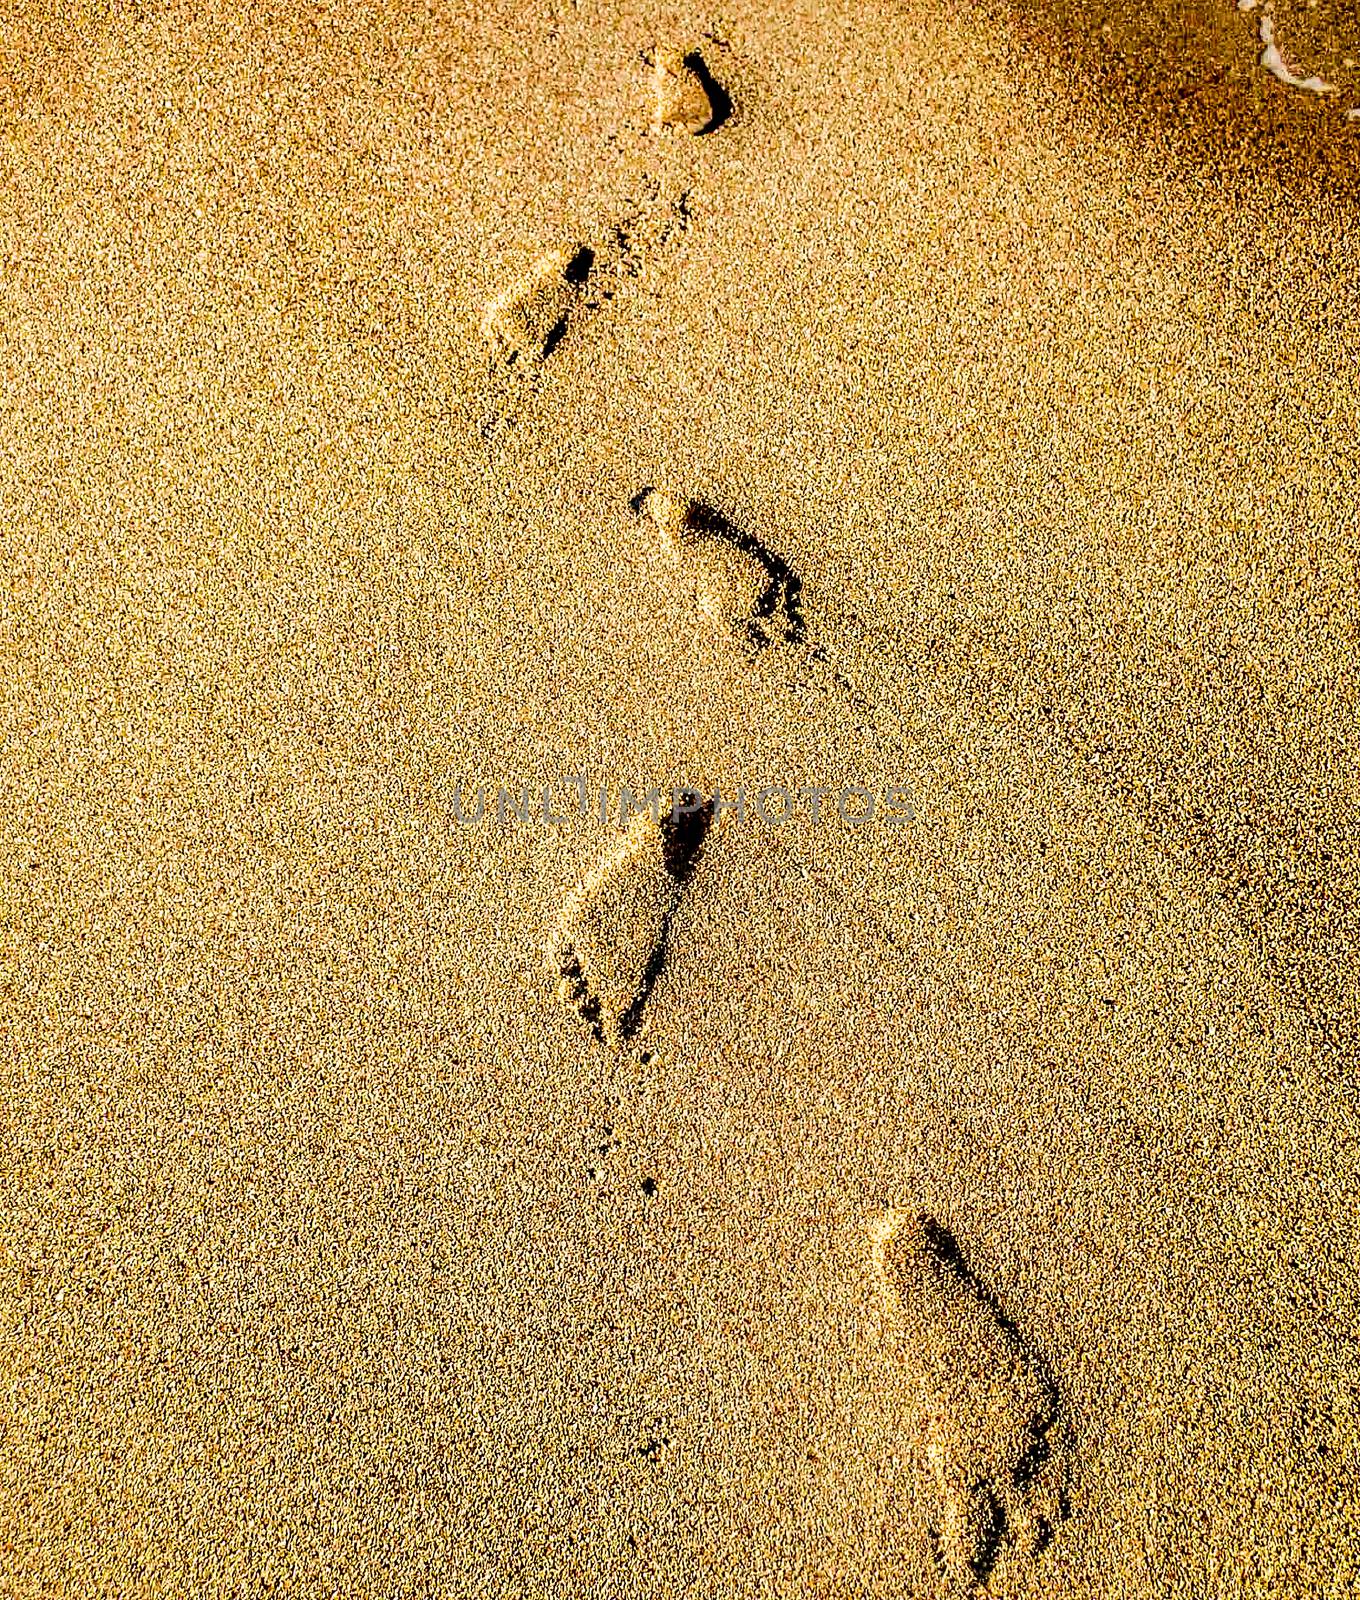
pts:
[611, 943]
[1037, 1449]
[718, 97]
[773, 607]
[946, 1248]
[683, 833]
[576, 273]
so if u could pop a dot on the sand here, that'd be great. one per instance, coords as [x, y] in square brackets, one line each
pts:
[409, 1202]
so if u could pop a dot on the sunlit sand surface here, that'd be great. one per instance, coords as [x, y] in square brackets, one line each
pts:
[942, 1183]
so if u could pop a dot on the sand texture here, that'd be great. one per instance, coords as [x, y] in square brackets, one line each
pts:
[937, 1175]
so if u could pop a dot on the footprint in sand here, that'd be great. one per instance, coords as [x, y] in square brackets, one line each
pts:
[526, 321]
[732, 578]
[755, 598]
[685, 97]
[561, 289]
[610, 943]
[992, 1450]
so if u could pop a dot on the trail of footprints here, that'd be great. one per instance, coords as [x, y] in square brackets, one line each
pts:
[993, 1452]
[610, 944]
[992, 1444]
[526, 322]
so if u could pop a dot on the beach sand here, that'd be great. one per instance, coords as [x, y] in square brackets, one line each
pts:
[407, 1204]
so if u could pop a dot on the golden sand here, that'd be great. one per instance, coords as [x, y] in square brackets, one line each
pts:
[963, 1204]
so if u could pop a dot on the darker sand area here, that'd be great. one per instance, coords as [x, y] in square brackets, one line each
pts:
[402, 1205]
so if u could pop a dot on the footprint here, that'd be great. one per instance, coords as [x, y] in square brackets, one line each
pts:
[610, 944]
[525, 323]
[993, 1452]
[732, 578]
[756, 599]
[684, 95]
